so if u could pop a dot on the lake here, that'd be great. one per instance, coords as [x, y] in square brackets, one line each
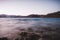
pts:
[10, 26]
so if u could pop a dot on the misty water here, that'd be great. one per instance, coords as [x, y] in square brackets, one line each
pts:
[10, 26]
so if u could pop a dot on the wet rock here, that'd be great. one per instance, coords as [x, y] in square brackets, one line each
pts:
[33, 37]
[46, 37]
[23, 34]
[4, 38]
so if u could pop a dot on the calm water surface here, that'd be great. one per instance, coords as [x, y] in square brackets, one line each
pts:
[12, 25]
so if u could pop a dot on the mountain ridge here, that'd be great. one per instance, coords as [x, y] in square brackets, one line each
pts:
[50, 15]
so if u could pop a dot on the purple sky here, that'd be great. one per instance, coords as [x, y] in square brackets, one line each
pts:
[26, 7]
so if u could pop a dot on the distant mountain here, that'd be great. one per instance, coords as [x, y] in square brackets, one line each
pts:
[53, 15]
[34, 15]
[50, 15]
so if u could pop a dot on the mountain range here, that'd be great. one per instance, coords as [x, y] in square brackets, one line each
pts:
[49, 15]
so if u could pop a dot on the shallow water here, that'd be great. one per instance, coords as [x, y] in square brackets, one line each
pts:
[10, 26]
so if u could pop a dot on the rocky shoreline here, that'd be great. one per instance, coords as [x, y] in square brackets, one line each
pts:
[35, 35]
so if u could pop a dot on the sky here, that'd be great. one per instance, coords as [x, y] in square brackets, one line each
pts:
[27, 7]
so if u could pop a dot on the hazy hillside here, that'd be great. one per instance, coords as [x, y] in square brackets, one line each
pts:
[49, 15]
[54, 15]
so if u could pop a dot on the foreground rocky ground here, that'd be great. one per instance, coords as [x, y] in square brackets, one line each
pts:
[35, 35]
